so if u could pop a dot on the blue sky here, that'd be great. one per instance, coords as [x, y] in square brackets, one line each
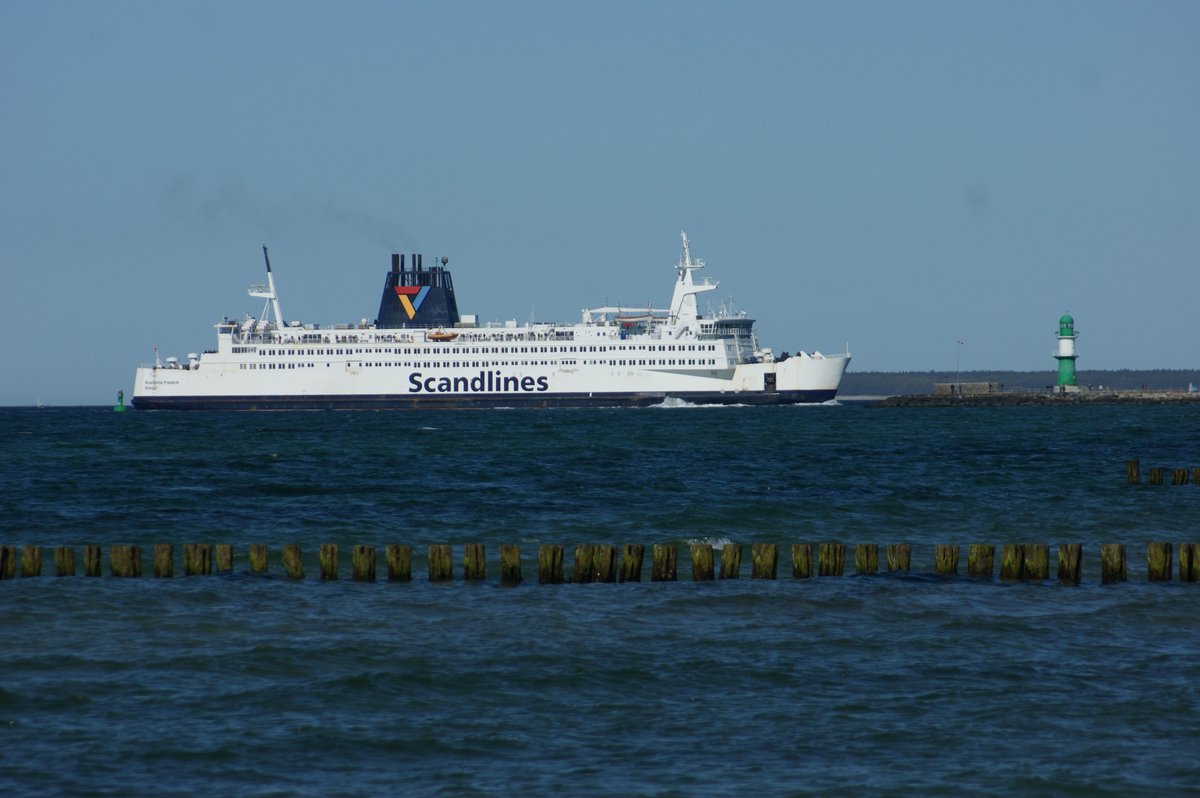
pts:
[896, 175]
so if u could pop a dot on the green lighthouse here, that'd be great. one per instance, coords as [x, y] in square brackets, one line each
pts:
[1066, 353]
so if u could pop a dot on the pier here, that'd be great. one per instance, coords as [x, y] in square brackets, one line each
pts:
[1039, 399]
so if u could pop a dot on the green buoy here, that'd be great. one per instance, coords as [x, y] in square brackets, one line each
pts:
[119, 407]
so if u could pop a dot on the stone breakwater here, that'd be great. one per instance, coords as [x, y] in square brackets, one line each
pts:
[1040, 398]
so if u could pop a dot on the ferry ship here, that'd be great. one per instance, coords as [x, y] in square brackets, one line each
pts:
[420, 352]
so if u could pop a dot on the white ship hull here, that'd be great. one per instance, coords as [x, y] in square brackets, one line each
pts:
[609, 359]
[308, 382]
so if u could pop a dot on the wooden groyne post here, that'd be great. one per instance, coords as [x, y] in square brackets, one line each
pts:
[604, 563]
[510, 564]
[702, 562]
[1070, 560]
[399, 562]
[474, 562]
[91, 561]
[763, 560]
[866, 558]
[197, 559]
[1156, 475]
[802, 561]
[223, 553]
[1189, 562]
[945, 559]
[293, 561]
[550, 564]
[441, 563]
[362, 563]
[1112, 563]
[831, 559]
[899, 557]
[125, 561]
[662, 567]
[731, 560]
[582, 573]
[1036, 561]
[1025, 561]
[8, 561]
[327, 560]
[64, 561]
[1158, 562]
[258, 558]
[980, 559]
[31, 561]
[1012, 561]
[1133, 471]
[164, 561]
[632, 555]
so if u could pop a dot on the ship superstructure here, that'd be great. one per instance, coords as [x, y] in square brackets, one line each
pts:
[420, 352]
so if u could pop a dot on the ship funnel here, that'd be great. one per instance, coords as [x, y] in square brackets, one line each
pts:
[417, 297]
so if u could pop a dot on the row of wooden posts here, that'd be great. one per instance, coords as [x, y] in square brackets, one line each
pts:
[605, 563]
[1179, 476]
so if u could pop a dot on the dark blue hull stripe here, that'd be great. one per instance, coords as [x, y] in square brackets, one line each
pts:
[471, 401]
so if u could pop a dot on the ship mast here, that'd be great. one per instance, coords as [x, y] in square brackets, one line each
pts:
[269, 294]
[683, 301]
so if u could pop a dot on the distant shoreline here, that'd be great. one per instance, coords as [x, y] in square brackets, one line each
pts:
[1040, 399]
[900, 383]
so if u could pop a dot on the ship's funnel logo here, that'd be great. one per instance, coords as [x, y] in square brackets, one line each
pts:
[411, 297]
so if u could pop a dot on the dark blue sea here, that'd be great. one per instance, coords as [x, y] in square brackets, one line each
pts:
[885, 684]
